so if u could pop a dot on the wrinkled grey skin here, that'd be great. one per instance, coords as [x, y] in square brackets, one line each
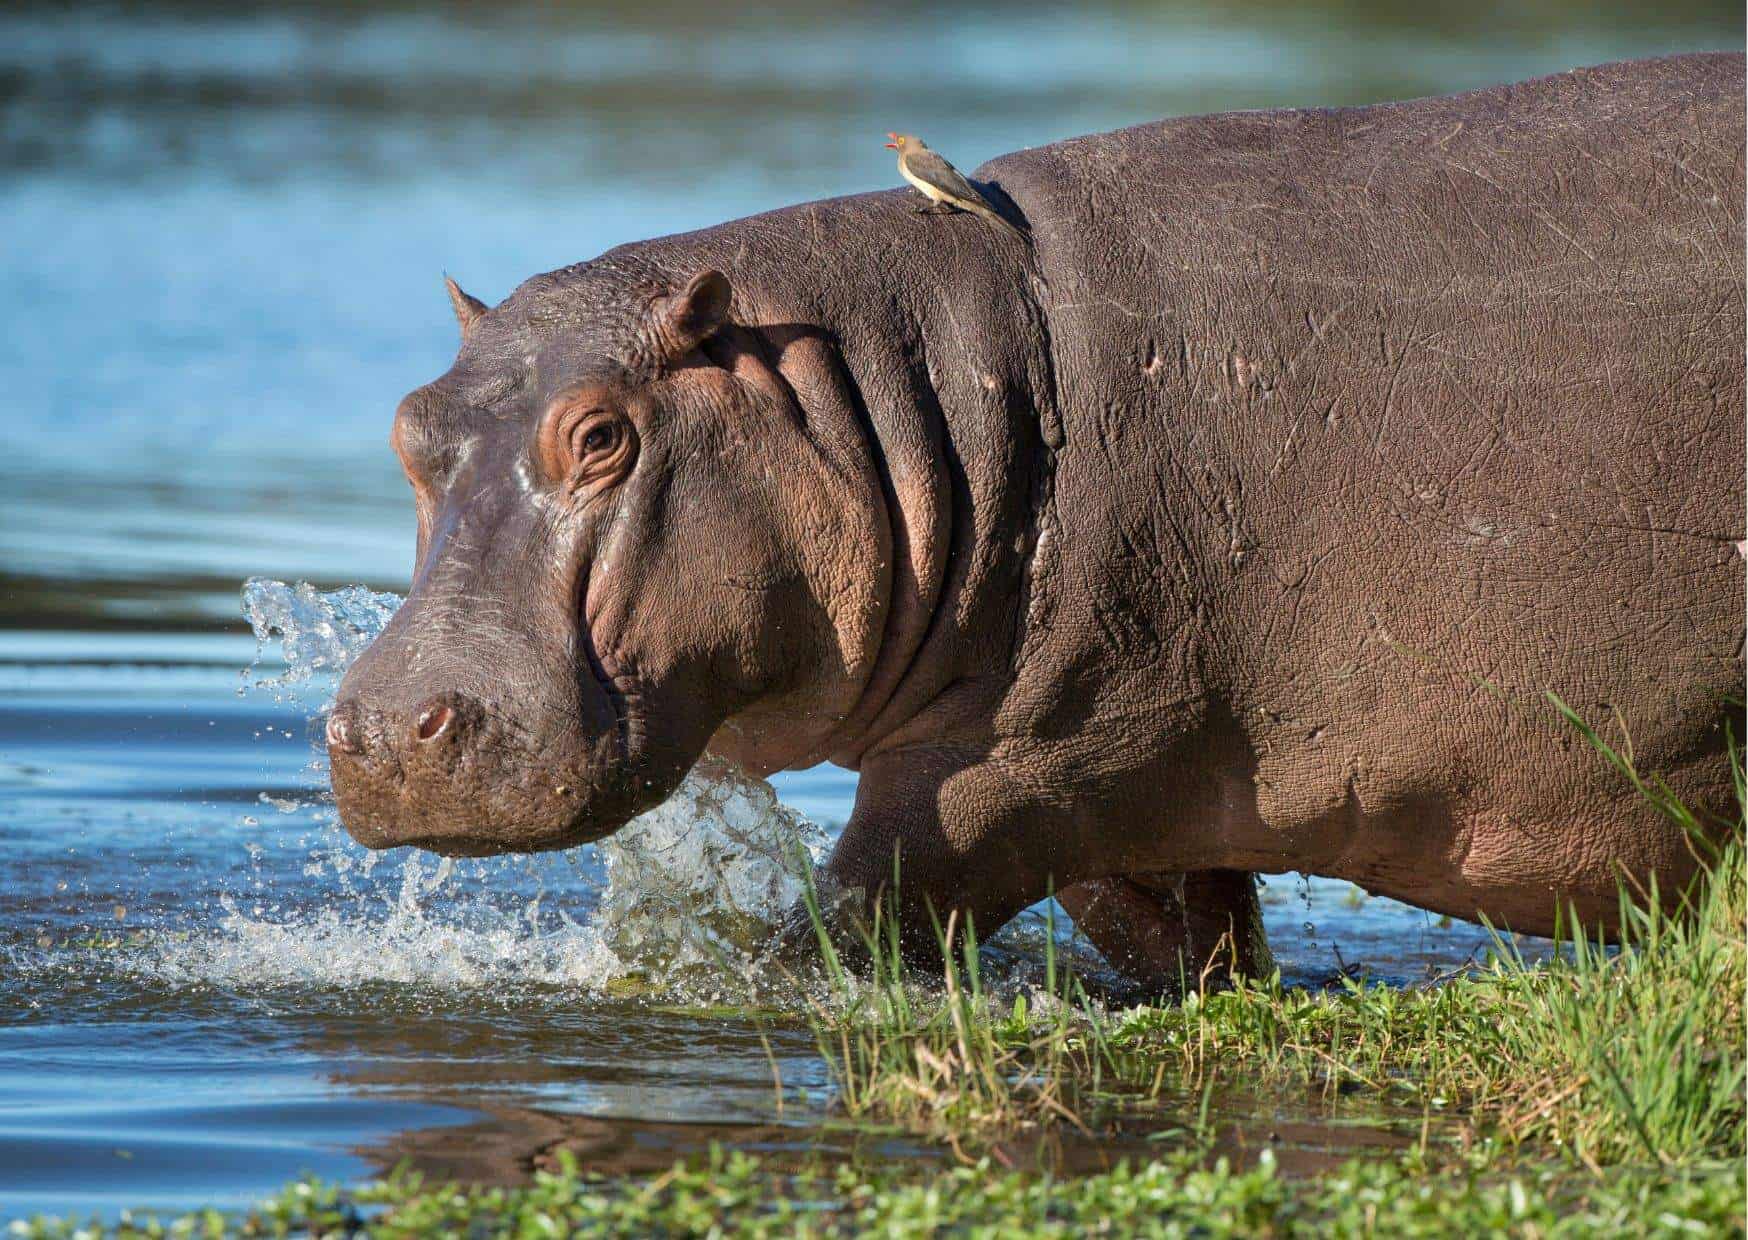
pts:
[1241, 522]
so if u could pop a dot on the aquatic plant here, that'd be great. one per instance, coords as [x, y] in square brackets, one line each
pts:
[734, 1194]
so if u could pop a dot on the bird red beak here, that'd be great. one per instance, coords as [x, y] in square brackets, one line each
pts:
[892, 145]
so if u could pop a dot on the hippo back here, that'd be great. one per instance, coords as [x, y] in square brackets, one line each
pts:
[1385, 422]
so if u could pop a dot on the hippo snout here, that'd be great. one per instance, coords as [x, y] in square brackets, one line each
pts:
[392, 768]
[354, 733]
[465, 773]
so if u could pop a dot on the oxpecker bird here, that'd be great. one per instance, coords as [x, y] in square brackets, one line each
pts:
[942, 184]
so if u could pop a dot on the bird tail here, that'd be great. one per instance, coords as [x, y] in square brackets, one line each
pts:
[996, 217]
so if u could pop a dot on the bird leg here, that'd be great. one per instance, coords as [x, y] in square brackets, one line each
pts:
[938, 208]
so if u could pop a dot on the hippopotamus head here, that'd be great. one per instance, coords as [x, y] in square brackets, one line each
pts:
[632, 546]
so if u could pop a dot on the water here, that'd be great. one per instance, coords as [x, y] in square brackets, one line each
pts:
[225, 228]
[208, 987]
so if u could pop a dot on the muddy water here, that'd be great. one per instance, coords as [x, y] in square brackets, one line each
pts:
[224, 228]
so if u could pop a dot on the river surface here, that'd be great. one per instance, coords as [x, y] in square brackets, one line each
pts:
[224, 231]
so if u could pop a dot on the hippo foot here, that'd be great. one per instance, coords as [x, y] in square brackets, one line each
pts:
[1174, 933]
[839, 913]
[1169, 934]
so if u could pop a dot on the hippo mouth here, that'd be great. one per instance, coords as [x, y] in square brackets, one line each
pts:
[442, 845]
[618, 695]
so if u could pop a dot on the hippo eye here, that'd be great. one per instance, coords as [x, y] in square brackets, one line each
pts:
[588, 448]
[593, 440]
[583, 444]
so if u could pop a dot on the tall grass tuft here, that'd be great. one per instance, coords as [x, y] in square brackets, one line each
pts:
[948, 1061]
[1647, 1042]
[1631, 1053]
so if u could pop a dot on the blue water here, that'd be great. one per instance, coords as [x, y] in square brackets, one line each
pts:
[224, 231]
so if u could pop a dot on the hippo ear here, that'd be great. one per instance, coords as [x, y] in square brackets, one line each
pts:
[468, 308]
[680, 322]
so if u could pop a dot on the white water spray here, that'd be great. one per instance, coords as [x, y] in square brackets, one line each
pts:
[693, 889]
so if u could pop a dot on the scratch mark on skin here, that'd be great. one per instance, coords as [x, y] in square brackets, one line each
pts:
[1659, 529]
[946, 305]
[1102, 301]
[1287, 444]
[1545, 217]
[1239, 371]
[1319, 334]
[1480, 176]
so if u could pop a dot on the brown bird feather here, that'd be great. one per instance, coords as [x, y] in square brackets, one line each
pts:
[938, 180]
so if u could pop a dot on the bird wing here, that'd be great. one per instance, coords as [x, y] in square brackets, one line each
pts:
[927, 166]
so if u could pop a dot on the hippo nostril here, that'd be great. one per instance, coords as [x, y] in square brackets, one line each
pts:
[433, 722]
[339, 732]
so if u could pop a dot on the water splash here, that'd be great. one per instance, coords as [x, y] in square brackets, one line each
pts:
[681, 900]
[319, 634]
[704, 876]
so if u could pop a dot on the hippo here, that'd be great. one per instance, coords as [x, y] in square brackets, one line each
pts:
[1240, 515]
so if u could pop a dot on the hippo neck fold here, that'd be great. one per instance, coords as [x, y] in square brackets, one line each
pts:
[949, 376]
[946, 380]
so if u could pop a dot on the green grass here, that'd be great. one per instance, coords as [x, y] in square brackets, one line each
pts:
[735, 1195]
[946, 1060]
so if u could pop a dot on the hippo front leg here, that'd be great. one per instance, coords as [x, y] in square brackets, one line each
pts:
[1174, 932]
[938, 830]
